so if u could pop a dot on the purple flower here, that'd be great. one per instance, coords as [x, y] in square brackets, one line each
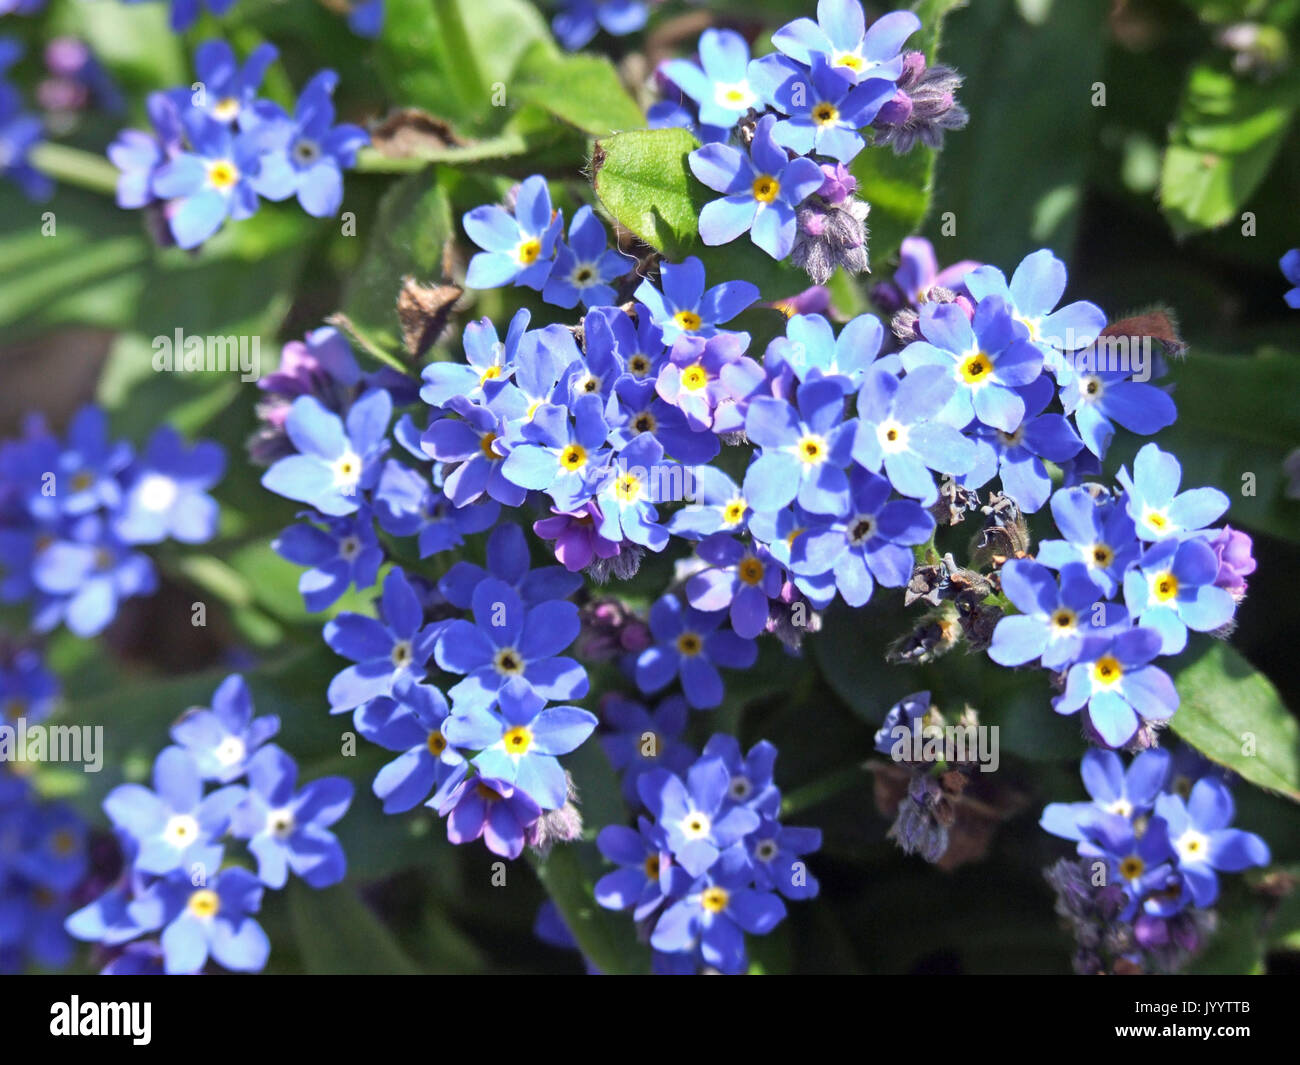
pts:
[1233, 549]
[412, 722]
[498, 812]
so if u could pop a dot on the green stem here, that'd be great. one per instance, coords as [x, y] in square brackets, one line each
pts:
[605, 939]
[75, 167]
[820, 790]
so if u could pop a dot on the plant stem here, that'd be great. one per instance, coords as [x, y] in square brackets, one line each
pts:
[75, 167]
[821, 790]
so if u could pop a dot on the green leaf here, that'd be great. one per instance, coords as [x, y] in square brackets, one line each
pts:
[1029, 92]
[408, 236]
[455, 58]
[1228, 708]
[582, 90]
[645, 182]
[1224, 432]
[338, 934]
[1222, 144]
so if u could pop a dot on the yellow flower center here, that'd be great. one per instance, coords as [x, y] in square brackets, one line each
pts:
[204, 903]
[517, 740]
[1064, 619]
[695, 377]
[851, 60]
[1107, 670]
[811, 449]
[529, 251]
[1132, 867]
[825, 113]
[976, 369]
[485, 443]
[689, 644]
[437, 743]
[222, 174]
[573, 457]
[688, 320]
[751, 571]
[1102, 555]
[1165, 587]
[766, 188]
[715, 899]
[1155, 520]
[734, 512]
[490, 374]
[628, 488]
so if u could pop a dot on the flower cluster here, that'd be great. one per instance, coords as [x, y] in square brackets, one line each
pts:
[779, 131]
[20, 131]
[215, 148]
[74, 512]
[709, 859]
[177, 883]
[1151, 843]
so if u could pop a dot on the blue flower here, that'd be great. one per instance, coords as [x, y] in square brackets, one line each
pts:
[695, 814]
[518, 247]
[903, 714]
[762, 191]
[648, 876]
[561, 457]
[175, 825]
[221, 738]
[1172, 590]
[1053, 621]
[1098, 532]
[741, 579]
[1142, 863]
[812, 351]
[19, 134]
[498, 812]
[228, 90]
[166, 491]
[640, 410]
[213, 920]
[873, 539]
[489, 359]
[1157, 508]
[585, 266]
[520, 743]
[507, 639]
[576, 24]
[694, 378]
[986, 357]
[643, 740]
[1290, 266]
[184, 13]
[81, 579]
[385, 651]
[412, 722]
[87, 472]
[288, 828]
[751, 783]
[407, 504]
[721, 88]
[338, 459]
[689, 644]
[720, 505]
[841, 35]
[1127, 793]
[1112, 676]
[639, 479]
[1035, 289]
[473, 444]
[777, 851]
[305, 156]
[210, 182]
[826, 107]
[366, 19]
[345, 552]
[1098, 399]
[899, 431]
[508, 560]
[1205, 845]
[717, 912]
[684, 307]
[803, 451]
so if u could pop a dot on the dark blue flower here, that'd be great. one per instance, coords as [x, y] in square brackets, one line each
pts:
[412, 723]
[1203, 842]
[585, 266]
[344, 553]
[689, 644]
[214, 920]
